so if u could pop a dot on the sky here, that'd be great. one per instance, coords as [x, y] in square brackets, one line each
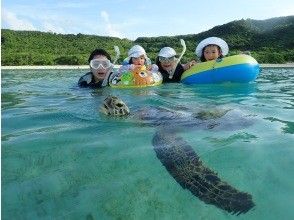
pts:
[132, 19]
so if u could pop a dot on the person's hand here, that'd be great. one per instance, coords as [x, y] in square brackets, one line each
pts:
[192, 63]
[149, 67]
[189, 64]
[135, 68]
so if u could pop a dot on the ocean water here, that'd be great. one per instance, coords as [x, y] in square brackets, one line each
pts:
[63, 159]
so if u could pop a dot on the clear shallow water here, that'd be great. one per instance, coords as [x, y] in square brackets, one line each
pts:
[61, 159]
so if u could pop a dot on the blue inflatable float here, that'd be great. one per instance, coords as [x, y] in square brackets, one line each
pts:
[238, 69]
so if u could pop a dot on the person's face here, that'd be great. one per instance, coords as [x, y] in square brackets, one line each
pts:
[211, 52]
[100, 72]
[138, 60]
[167, 63]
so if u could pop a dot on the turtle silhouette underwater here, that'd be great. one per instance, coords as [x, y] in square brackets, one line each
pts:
[180, 159]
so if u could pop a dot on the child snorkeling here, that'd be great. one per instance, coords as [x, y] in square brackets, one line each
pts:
[100, 70]
[169, 64]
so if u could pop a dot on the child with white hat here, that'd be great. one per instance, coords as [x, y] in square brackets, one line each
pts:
[136, 59]
[169, 66]
[211, 48]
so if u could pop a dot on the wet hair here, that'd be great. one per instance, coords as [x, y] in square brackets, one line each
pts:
[157, 60]
[99, 52]
[131, 60]
[202, 58]
[158, 63]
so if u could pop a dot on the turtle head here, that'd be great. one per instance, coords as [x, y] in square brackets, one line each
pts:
[114, 106]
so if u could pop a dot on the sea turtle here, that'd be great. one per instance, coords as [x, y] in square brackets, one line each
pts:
[179, 158]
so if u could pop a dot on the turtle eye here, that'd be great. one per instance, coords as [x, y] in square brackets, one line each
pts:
[119, 105]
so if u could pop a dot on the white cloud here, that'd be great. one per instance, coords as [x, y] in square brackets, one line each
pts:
[105, 16]
[110, 28]
[11, 21]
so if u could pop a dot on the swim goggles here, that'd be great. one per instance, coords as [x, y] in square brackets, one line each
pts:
[166, 59]
[98, 63]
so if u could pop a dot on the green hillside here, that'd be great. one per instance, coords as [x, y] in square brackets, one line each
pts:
[269, 41]
[39, 48]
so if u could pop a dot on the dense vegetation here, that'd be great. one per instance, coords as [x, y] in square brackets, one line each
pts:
[269, 41]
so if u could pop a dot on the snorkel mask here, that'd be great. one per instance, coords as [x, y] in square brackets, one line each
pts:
[100, 63]
[166, 59]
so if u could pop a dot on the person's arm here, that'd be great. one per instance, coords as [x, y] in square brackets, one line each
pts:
[124, 68]
[154, 68]
[85, 80]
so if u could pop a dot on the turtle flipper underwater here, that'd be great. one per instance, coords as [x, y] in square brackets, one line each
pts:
[182, 162]
[185, 166]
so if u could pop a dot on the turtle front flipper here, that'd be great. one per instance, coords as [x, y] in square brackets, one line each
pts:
[185, 166]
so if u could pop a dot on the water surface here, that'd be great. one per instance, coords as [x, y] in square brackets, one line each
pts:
[62, 159]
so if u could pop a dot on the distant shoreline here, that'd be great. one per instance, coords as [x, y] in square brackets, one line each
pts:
[271, 65]
[60, 67]
[57, 67]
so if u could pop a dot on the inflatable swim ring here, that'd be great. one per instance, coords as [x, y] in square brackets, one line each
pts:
[136, 79]
[238, 68]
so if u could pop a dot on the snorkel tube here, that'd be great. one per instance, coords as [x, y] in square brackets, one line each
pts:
[179, 59]
[117, 54]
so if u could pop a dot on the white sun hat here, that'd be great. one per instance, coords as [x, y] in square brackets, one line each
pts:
[136, 51]
[167, 52]
[215, 41]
